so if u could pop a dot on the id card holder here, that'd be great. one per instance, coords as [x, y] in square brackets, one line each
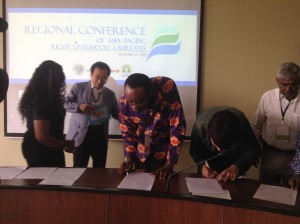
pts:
[100, 115]
[282, 133]
[147, 140]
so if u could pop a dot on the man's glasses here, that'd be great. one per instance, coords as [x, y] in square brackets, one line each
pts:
[136, 102]
[102, 79]
[285, 86]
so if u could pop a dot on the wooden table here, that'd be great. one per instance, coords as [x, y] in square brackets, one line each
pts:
[94, 198]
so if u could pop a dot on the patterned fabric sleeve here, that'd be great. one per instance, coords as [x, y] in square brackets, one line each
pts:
[128, 129]
[296, 161]
[165, 119]
[177, 121]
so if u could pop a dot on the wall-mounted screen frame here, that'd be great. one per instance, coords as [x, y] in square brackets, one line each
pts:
[122, 33]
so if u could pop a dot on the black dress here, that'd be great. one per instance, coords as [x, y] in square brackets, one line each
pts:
[35, 153]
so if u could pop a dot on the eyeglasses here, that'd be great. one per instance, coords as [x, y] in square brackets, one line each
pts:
[136, 102]
[102, 79]
[284, 86]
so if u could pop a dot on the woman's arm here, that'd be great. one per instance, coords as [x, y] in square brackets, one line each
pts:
[41, 133]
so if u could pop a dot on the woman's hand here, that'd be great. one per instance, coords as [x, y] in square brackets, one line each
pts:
[69, 146]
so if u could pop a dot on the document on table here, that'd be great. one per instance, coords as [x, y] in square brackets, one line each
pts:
[11, 172]
[277, 194]
[138, 181]
[206, 187]
[36, 173]
[224, 195]
[63, 176]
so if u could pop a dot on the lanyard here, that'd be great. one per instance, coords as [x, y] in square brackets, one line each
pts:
[283, 111]
[95, 100]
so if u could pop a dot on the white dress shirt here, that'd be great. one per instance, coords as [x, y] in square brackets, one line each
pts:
[268, 116]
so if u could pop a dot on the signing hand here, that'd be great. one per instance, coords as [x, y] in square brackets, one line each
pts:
[294, 182]
[125, 167]
[163, 172]
[230, 174]
[207, 172]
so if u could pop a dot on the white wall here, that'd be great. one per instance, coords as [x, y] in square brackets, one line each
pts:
[244, 43]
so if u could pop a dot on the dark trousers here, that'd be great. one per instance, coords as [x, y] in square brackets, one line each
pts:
[275, 165]
[94, 145]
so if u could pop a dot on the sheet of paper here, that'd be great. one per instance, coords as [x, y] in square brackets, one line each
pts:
[63, 176]
[203, 185]
[36, 173]
[57, 182]
[138, 181]
[276, 194]
[11, 172]
[223, 195]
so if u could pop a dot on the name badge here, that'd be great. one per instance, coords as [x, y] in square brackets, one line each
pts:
[282, 133]
[147, 140]
[99, 115]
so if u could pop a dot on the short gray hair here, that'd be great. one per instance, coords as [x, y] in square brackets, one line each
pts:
[288, 70]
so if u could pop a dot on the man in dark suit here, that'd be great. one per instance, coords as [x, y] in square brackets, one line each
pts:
[91, 104]
[224, 133]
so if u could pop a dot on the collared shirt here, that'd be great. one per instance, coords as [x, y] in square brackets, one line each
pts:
[296, 161]
[163, 120]
[96, 94]
[268, 116]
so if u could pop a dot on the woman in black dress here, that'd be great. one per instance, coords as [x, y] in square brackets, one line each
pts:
[42, 107]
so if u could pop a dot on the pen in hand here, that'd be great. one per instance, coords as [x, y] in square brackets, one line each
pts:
[210, 170]
[69, 147]
[126, 166]
[206, 163]
[75, 135]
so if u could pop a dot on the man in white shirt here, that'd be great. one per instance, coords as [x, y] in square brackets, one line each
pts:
[276, 123]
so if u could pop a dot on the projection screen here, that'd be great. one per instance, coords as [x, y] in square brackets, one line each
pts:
[151, 37]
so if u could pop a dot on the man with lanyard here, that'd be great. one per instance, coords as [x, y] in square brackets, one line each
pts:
[276, 123]
[91, 104]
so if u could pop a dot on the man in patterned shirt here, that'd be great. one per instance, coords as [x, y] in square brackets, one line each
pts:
[152, 123]
[294, 181]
